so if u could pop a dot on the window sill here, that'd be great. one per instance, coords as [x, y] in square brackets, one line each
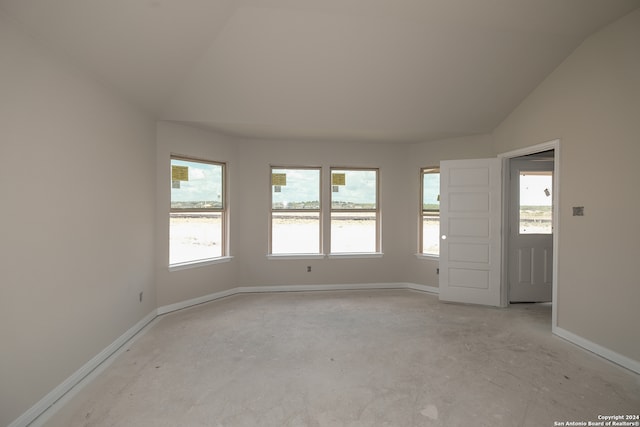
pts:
[341, 255]
[428, 257]
[294, 256]
[201, 263]
[355, 255]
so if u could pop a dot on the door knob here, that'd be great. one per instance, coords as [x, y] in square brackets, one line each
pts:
[444, 237]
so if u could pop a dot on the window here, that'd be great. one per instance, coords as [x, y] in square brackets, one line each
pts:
[295, 211]
[430, 211]
[354, 211]
[198, 210]
[535, 205]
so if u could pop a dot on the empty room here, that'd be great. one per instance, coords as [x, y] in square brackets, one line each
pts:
[319, 213]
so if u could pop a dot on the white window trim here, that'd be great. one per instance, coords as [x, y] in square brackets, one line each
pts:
[225, 218]
[427, 256]
[345, 255]
[294, 256]
[422, 255]
[377, 211]
[200, 263]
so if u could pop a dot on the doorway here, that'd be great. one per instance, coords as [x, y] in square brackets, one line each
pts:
[530, 228]
[547, 156]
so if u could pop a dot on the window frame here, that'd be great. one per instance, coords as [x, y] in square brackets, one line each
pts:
[222, 210]
[426, 213]
[376, 211]
[319, 211]
[531, 171]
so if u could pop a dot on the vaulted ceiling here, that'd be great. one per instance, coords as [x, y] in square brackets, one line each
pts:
[379, 70]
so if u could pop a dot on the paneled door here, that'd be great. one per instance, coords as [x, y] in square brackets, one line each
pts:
[470, 231]
[530, 244]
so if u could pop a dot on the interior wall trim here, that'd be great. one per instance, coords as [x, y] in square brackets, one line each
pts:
[610, 355]
[291, 288]
[38, 413]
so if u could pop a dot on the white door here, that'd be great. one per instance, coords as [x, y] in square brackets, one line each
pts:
[530, 268]
[470, 231]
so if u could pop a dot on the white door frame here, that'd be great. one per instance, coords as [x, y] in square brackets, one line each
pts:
[506, 157]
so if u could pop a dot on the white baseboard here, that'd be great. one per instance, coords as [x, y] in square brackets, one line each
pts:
[42, 410]
[318, 288]
[423, 288]
[195, 301]
[79, 377]
[291, 288]
[46, 407]
[624, 361]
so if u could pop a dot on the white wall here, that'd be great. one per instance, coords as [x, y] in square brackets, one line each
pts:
[254, 269]
[84, 224]
[76, 220]
[591, 102]
[182, 285]
[249, 164]
[423, 270]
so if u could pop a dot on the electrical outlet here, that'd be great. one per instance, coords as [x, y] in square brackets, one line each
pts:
[437, 271]
[140, 296]
[308, 269]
